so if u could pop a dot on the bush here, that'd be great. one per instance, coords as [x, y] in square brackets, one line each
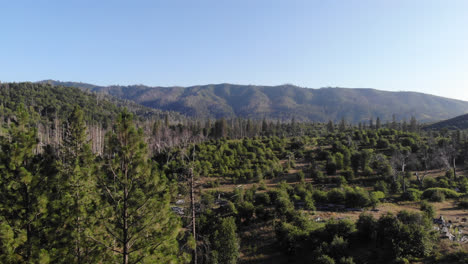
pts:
[340, 180]
[320, 196]
[411, 195]
[357, 198]
[449, 174]
[336, 196]
[342, 228]
[429, 193]
[437, 196]
[366, 227]
[262, 198]
[381, 186]
[376, 197]
[427, 209]
[338, 246]
[429, 183]
[324, 259]
[367, 171]
[246, 211]
[284, 206]
[300, 176]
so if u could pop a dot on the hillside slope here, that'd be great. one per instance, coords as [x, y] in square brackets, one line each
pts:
[286, 102]
[459, 122]
[55, 101]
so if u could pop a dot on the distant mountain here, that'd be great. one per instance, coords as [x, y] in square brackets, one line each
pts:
[286, 101]
[459, 122]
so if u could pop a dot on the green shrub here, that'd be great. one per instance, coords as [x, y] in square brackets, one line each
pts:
[300, 176]
[411, 195]
[324, 259]
[448, 193]
[427, 209]
[367, 171]
[437, 196]
[336, 196]
[376, 197]
[262, 198]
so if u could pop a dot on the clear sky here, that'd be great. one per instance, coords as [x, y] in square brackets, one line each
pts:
[411, 45]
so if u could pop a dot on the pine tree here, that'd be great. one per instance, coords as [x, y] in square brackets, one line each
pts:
[76, 194]
[23, 196]
[135, 216]
[378, 125]
[330, 126]
[225, 242]
[342, 126]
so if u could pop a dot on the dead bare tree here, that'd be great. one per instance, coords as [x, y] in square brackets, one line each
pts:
[398, 162]
[448, 155]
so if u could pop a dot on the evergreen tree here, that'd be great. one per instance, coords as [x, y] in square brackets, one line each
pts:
[342, 126]
[23, 195]
[225, 242]
[75, 198]
[378, 125]
[330, 126]
[136, 220]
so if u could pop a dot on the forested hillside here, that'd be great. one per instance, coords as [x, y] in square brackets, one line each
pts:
[56, 102]
[459, 122]
[244, 192]
[285, 102]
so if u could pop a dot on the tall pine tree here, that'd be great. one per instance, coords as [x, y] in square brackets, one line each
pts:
[136, 221]
[75, 199]
[23, 195]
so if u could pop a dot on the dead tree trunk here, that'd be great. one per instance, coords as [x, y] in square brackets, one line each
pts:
[192, 201]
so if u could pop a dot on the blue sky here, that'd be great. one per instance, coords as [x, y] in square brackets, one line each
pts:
[411, 45]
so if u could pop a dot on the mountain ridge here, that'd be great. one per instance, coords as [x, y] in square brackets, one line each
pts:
[285, 102]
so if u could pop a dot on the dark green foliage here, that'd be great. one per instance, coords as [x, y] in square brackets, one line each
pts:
[242, 161]
[246, 211]
[458, 122]
[341, 228]
[406, 235]
[411, 195]
[324, 259]
[366, 227]
[23, 195]
[135, 200]
[76, 197]
[338, 247]
[439, 194]
[356, 198]
[428, 209]
[262, 198]
[55, 101]
[225, 242]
